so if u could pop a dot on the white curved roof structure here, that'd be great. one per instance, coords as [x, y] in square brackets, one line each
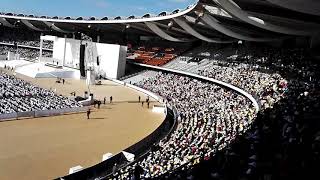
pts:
[54, 27]
[30, 25]
[181, 22]
[231, 7]
[163, 34]
[304, 6]
[214, 21]
[6, 23]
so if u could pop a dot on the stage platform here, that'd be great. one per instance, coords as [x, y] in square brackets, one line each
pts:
[40, 69]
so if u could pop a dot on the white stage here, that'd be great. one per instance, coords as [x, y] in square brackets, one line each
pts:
[107, 60]
[40, 70]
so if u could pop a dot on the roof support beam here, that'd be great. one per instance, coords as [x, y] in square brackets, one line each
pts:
[31, 26]
[232, 8]
[304, 6]
[172, 29]
[6, 23]
[54, 27]
[212, 22]
[181, 22]
[154, 28]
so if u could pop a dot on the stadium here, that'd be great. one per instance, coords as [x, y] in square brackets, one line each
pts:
[220, 89]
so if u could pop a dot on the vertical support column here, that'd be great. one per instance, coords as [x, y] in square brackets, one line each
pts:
[64, 50]
[315, 41]
[98, 38]
[73, 36]
[41, 45]
[315, 45]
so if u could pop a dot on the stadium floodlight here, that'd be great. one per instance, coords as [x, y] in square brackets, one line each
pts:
[128, 26]
[170, 24]
[16, 23]
[200, 14]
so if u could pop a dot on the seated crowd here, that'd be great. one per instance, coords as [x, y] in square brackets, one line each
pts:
[210, 117]
[26, 38]
[284, 141]
[17, 95]
[26, 53]
[285, 84]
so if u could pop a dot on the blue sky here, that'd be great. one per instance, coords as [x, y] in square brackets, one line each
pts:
[87, 8]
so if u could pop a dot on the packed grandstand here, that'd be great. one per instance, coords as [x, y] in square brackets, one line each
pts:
[20, 96]
[269, 132]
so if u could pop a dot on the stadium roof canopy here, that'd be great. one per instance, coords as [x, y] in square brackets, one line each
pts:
[216, 21]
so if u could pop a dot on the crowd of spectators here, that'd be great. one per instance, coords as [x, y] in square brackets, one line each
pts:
[283, 81]
[17, 95]
[268, 88]
[25, 37]
[25, 53]
[210, 117]
[25, 43]
[283, 141]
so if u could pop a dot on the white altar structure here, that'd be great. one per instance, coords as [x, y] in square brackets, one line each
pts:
[106, 60]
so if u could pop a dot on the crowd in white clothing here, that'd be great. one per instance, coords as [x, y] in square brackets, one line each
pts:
[25, 38]
[17, 95]
[210, 117]
[26, 53]
[267, 76]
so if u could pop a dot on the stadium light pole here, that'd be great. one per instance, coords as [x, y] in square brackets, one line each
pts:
[239, 44]
[170, 24]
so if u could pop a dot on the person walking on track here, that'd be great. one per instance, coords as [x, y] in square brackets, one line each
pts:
[88, 113]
